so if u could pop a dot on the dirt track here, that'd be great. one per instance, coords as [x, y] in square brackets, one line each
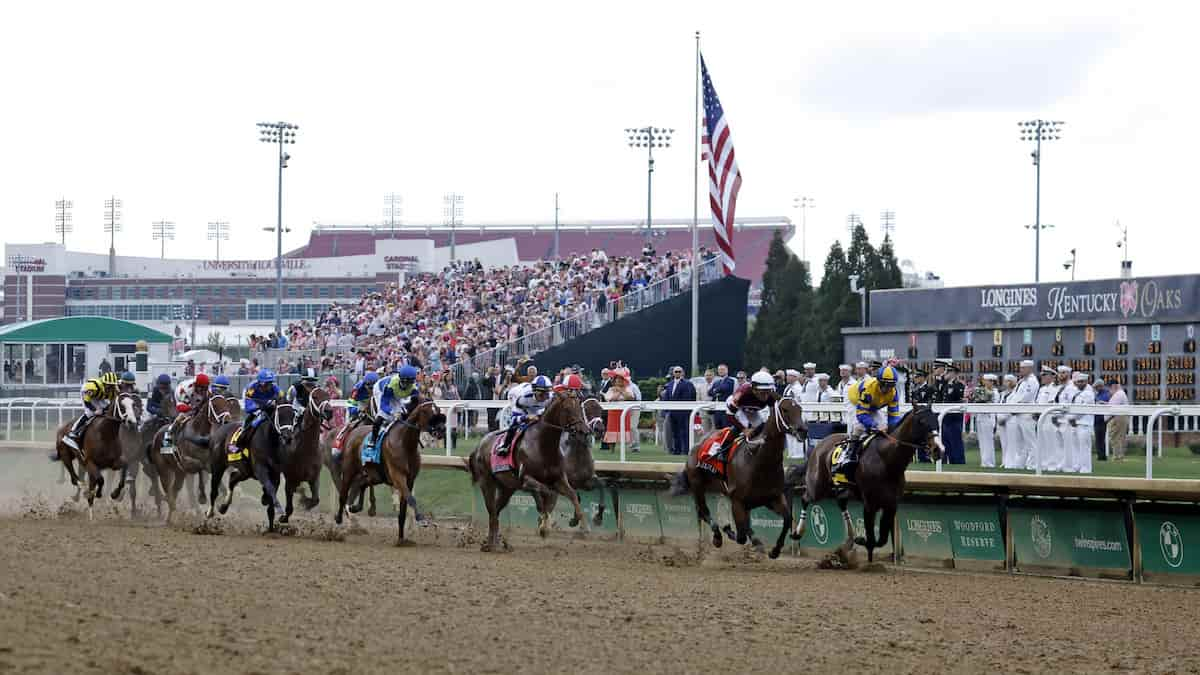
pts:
[130, 597]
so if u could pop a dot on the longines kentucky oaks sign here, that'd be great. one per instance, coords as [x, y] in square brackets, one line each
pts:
[1156, 298]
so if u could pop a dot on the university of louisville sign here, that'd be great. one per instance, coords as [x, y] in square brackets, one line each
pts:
[1162, 298]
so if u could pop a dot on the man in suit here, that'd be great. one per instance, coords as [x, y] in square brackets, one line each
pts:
[679, 389]
[948, 389]
[721, 389]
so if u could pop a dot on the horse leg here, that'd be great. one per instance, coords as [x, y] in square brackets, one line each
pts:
[598, 519]
[269, 500]
[202, 498]
[116, 493]
[784, 509]
[802, 520]
[886, 521]
[95, 484]
[541, 495]
[488, 490]
[869, 539]
[843, 505]
[563, 486]
[311, 503]
[371, 498]
[289, 489]
[503, 494]
[215, 476]
[698, 490]
[404, 494]
[741, 519]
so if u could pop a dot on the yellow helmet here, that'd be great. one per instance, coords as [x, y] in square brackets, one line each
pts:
[887, 376]
[109, 379]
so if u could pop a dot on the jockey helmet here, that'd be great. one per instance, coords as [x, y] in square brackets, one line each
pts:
[128, 377]
[310, 375]
[266, 376]
[201, 381]
[371, 377]
[761, 380]
[541, 383]
[574, 382]
[109, 379]
[163, 379]
[887, 376]
[221, 381]
[407, 373]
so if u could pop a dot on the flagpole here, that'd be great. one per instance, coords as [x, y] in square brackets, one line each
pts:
[696, 222]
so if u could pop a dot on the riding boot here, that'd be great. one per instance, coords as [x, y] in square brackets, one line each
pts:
[76, 432]
[844, 472]
[243, 440]
[508, 437]
[730, 438]
[374, 438]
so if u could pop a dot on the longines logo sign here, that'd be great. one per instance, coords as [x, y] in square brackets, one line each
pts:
[1127, 299]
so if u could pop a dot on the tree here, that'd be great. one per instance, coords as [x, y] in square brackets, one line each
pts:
[835, 307]
[889, 275]
[779, 330]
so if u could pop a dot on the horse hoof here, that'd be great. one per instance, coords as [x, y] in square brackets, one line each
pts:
[717, 539]
[758, 546]
[370, 511]
[860, 541]
[485, 548]
[310, 504]
[223, 508]
[773, 554]
[405, 543]
[598, 521]
[283, 519]
[732, 535]
[354, 508]
[202, 500]
[266, 501]
[574, 522]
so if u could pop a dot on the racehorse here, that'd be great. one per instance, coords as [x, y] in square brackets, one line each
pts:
[304, 458]
[334, 462]
[102, 447]
[753, 477]
[580, 466]
[400, 454]
[879, 476]
[263, 459]
[192, 450]
[537, 466]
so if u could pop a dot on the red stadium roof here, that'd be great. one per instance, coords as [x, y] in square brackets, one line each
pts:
[535, 241]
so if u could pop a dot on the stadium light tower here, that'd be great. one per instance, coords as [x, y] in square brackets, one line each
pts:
[1070, 265]
[392, 210]
[112, 225]
[62, 218]
[804, 204]
[452, 209]
[887, 223]
[162, 230]
[218, 230]
[281, 134]
[649, 138]
[1037, 131]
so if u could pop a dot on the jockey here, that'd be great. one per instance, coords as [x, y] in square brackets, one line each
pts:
[161, 398]
[528, 400]
[297, 395]
[359, 403]
[395, 396]
[128, 383]
[257, 401]
[870, 396]
[745, 409]
[98, 394]
[220, 385]
[196, 392]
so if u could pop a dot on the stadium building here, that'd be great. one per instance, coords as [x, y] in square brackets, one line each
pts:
[338, 264]
[1141, 331]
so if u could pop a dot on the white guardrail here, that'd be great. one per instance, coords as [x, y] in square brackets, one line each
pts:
[22, 418]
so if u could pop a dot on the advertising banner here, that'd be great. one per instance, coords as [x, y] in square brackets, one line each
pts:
[640, 514]
[1069, 538]
[925, 532]
[1170, 543]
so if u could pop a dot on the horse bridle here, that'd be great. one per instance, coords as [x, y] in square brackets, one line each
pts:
[910, 444]
[212, 412]
[280, 428]
[318, 410]
[121, 410]
[568, 429]
[782, 426]
[591, 423]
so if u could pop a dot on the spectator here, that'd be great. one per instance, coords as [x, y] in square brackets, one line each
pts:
[335, 393]
[679, 389]
[620, 390]
[1099, 423]
[722, 388]
[488, 391]
[106, 367]
[1117, 425]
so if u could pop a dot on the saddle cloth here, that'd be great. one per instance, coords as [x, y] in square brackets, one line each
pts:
[371, 451]
[501, 463]
[233, 453]
[838, 454]
[715, 465]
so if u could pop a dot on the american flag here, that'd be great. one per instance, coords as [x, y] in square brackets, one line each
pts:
[724, 179]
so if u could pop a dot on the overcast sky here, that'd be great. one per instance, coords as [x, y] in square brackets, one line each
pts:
[866, 106]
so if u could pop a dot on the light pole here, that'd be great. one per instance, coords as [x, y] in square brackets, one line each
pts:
[649, 138]
[452, 209]
[392, 210]
[281, 134]
[804, 204]
[862, 301]
[112, 225]
[1123, 244]
[162, 231]
[1037, 131]
[62, 218]
[556, 226]
[218, 230]
[1070, 265]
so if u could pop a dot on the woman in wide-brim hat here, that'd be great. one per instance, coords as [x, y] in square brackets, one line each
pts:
[619, 390]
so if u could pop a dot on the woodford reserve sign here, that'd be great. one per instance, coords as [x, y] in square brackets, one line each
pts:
[1153, 298]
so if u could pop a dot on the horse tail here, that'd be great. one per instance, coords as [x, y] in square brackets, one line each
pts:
[471, 467]
[680, 484]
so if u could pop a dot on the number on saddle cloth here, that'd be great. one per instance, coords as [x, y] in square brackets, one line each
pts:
[233, 453]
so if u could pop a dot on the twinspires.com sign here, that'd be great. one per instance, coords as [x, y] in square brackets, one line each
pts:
[1159, 298]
